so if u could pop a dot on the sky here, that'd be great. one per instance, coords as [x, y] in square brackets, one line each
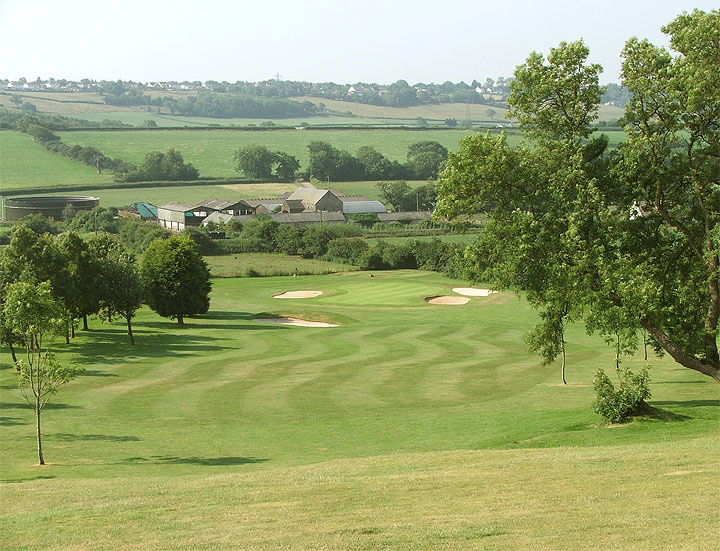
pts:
[315, 40]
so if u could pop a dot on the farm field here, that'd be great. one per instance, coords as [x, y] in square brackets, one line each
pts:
[410, 426]
[270, 264]
[25, 164]
[211, 151]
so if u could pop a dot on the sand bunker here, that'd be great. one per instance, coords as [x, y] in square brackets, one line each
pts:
[447, 300]
[296, 321]
[473, 291]
[298, 294]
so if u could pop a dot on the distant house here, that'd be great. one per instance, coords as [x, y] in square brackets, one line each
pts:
[266, 206]
[292, 206]
[314, 200]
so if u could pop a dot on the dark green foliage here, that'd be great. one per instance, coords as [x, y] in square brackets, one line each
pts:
[426, 159]
[289, 238]
[398, 257]
[617, 404]
[176, 278]
[40, 224]
[137, 235]
[98, 219]
[261, 229]
[316, 238]
[403, 198]
[158, 166]
[346, 249]
[255, 161]
[205, 243]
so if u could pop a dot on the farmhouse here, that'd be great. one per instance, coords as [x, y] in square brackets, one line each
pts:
[314, 200]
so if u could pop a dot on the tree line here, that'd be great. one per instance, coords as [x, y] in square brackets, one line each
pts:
[425, 160]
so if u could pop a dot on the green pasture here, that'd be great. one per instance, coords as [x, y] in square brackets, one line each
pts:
[270, 264]
[211, 151]
[411, 426]
[24, 164]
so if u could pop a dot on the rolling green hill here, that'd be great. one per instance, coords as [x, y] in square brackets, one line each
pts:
[410, 426]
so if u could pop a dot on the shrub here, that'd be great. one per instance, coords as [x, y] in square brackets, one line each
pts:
[398, 257]
[346, 249]
[617, 404]
[252, 272]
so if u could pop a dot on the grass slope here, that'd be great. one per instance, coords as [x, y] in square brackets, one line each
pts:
[24, 164]
[410, 426]
[211, 151]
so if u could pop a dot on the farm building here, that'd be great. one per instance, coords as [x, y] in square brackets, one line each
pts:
[178, 216]
[146, 212]
[314, 200]
[228, 207]
[359, 204]
[296, 218]
[265, 206]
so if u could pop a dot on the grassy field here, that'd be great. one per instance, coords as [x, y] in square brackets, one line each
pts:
[271, 264]
[442, 111]
[211, 151]
[409, 427]
[465, 238]
[24, 164]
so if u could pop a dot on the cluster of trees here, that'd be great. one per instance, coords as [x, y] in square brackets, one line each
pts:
[257, 161]
[157, 166]
[48, 283]
[402, 198]
[424, 161]
[627, 240]
[335, 242]
[209, 104]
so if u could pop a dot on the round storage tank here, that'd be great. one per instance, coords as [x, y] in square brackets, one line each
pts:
[15, 208]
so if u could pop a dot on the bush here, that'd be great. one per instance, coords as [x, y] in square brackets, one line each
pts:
[618, 404]
[398, 257]
[204, 242]
[346, 249]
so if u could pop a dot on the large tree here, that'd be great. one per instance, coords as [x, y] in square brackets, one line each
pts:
[628, 239]
[176, 278]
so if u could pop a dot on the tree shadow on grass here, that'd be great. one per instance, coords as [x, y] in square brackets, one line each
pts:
[92, 437]
[96, 373]
[26, 479]
[24, 405]
[12, 421]
[204, 461]
[659, 414]
[688, 403]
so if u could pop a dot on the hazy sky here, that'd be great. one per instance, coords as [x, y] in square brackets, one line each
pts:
[314, 40]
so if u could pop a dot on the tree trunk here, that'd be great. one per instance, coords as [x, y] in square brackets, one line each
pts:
[645, 342]
[679, 355]
[180, 319]
[85, 325]
[41, 459]
[617, 352]
[562, 346]
[130, 333]
[72, 329]
[67, 337]
[14, 357]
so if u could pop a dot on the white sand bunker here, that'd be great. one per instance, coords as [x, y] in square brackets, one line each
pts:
[447, 300]
[298, 294]
[473, 291]
[296, 321]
